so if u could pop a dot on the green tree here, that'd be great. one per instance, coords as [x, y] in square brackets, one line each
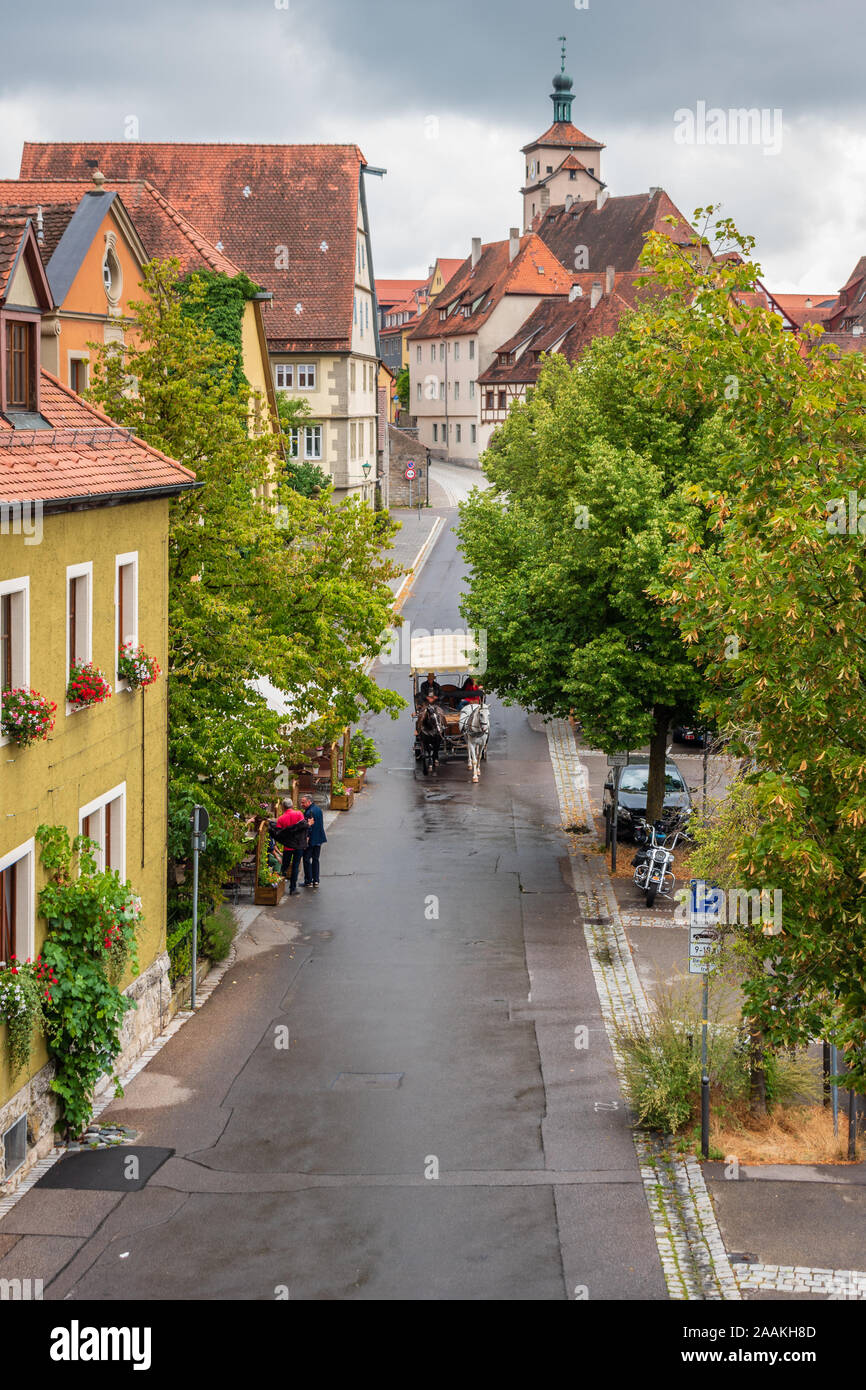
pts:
[586, 485]
[267, 587]
[766, 583]
[402, 388]
[302, 475]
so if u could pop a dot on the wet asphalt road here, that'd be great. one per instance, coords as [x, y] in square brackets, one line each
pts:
[431, 992]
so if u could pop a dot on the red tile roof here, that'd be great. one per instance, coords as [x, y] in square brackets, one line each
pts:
[568, 327]
[449, 266]
[56, 214]
[251, 200]
[612, 234]
[391, 292]
[805, 308]
[566, 134]
[56, 465]
[534, 271]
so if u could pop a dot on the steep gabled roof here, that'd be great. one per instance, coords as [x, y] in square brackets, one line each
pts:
[83, 457]
[534, 271]
[18, 245]
[805, 308]
[258, 204]
[566, 134]
[566, 326]
[572, 164]
[393, 292]
[612, 234]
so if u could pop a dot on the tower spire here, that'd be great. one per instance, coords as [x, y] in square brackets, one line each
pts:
[562, 95]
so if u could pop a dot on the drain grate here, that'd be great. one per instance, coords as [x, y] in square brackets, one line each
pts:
[367, 1081]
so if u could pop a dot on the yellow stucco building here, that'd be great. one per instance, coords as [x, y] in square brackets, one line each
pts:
[83, 570]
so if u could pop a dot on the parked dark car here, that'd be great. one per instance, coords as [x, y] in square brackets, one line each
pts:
[691, 735]
[632, 794]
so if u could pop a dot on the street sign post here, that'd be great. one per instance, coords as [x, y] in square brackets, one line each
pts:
[199, 822]
[617, 761]
[704, 941]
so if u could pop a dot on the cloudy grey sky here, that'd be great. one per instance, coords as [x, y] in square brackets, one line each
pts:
[444, 92]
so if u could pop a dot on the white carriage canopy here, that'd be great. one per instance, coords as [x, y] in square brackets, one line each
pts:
[444, 651]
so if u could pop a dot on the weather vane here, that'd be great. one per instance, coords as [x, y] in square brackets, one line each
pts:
[562, 41]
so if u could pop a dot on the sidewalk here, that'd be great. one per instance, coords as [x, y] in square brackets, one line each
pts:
[724, 1230]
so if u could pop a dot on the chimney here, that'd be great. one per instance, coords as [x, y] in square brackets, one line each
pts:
[601, 198]
[654, 190]
[476, 251]
[430, 270]
[596, 293]
[40, 232]
[513, 243]
[569, 199]
[609, 279]
[574, 293]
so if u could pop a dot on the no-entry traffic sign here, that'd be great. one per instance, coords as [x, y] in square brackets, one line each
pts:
[410, 471]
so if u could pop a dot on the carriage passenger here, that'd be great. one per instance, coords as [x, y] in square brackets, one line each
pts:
[470, 693]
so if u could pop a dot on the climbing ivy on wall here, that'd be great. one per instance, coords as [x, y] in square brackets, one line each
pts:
[217, 301]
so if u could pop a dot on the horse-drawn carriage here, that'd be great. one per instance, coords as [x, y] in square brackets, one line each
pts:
[446, 733]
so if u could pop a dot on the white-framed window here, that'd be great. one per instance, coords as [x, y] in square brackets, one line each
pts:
[457, 433]
[418, 390]
[441, 352]
[14, 636]
[456, 352]
[355, 308]
[312, 441]
[104, 820]
[472, 390]
[442, 390]
[353, 441]
[457, 390]
[471, 349]
[294, 436]
[473, 434]
[351, 376]
[284, 376]
[367, 313]
[435, 434]
[372, 437]
[126, 600]
[79, 603]
[17, 903]
[306, 376]
[418, 353]
[432, 352]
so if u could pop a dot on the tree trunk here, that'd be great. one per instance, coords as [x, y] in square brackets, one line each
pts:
[757, 1074]
[656, 780]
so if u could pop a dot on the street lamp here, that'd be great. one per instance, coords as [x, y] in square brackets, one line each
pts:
[365, 467]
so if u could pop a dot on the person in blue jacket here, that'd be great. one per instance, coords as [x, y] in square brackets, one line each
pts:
[315, 840]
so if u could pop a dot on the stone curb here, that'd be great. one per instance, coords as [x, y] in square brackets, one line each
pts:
[690, 1246]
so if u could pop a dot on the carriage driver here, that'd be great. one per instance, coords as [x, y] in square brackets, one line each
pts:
[429, 687]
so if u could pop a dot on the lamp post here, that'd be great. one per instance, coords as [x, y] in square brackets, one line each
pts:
[365, 469]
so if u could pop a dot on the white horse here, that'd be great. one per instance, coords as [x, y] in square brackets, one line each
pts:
[475, 724]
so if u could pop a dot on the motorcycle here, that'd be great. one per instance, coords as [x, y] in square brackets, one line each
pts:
[653, 871]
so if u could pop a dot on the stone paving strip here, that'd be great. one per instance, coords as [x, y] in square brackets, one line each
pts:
[833, 1283]
[692, 1252]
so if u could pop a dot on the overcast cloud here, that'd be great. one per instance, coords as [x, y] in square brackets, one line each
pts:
[444, 93]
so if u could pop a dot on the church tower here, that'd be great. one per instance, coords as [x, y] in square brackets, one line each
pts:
[563, 162]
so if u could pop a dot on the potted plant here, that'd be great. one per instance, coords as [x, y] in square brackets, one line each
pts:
[355, 778]
[270, 886]
[341, 797]
[362, 751]
[24, 992]
[27, 716]
[87, 686]
[135, 667]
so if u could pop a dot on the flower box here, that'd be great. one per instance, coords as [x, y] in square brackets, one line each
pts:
[26, 717]
[136, 668]
[342, 801]
[269, 894]
[355, 781]
[87, 686]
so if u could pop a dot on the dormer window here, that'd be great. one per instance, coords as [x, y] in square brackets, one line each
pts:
[21, 365]
[112, 275]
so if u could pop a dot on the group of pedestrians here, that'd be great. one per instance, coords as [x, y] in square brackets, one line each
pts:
[301, 834]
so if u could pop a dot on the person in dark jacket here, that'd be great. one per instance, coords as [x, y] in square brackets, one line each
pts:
[316, 837]
[292, 835]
